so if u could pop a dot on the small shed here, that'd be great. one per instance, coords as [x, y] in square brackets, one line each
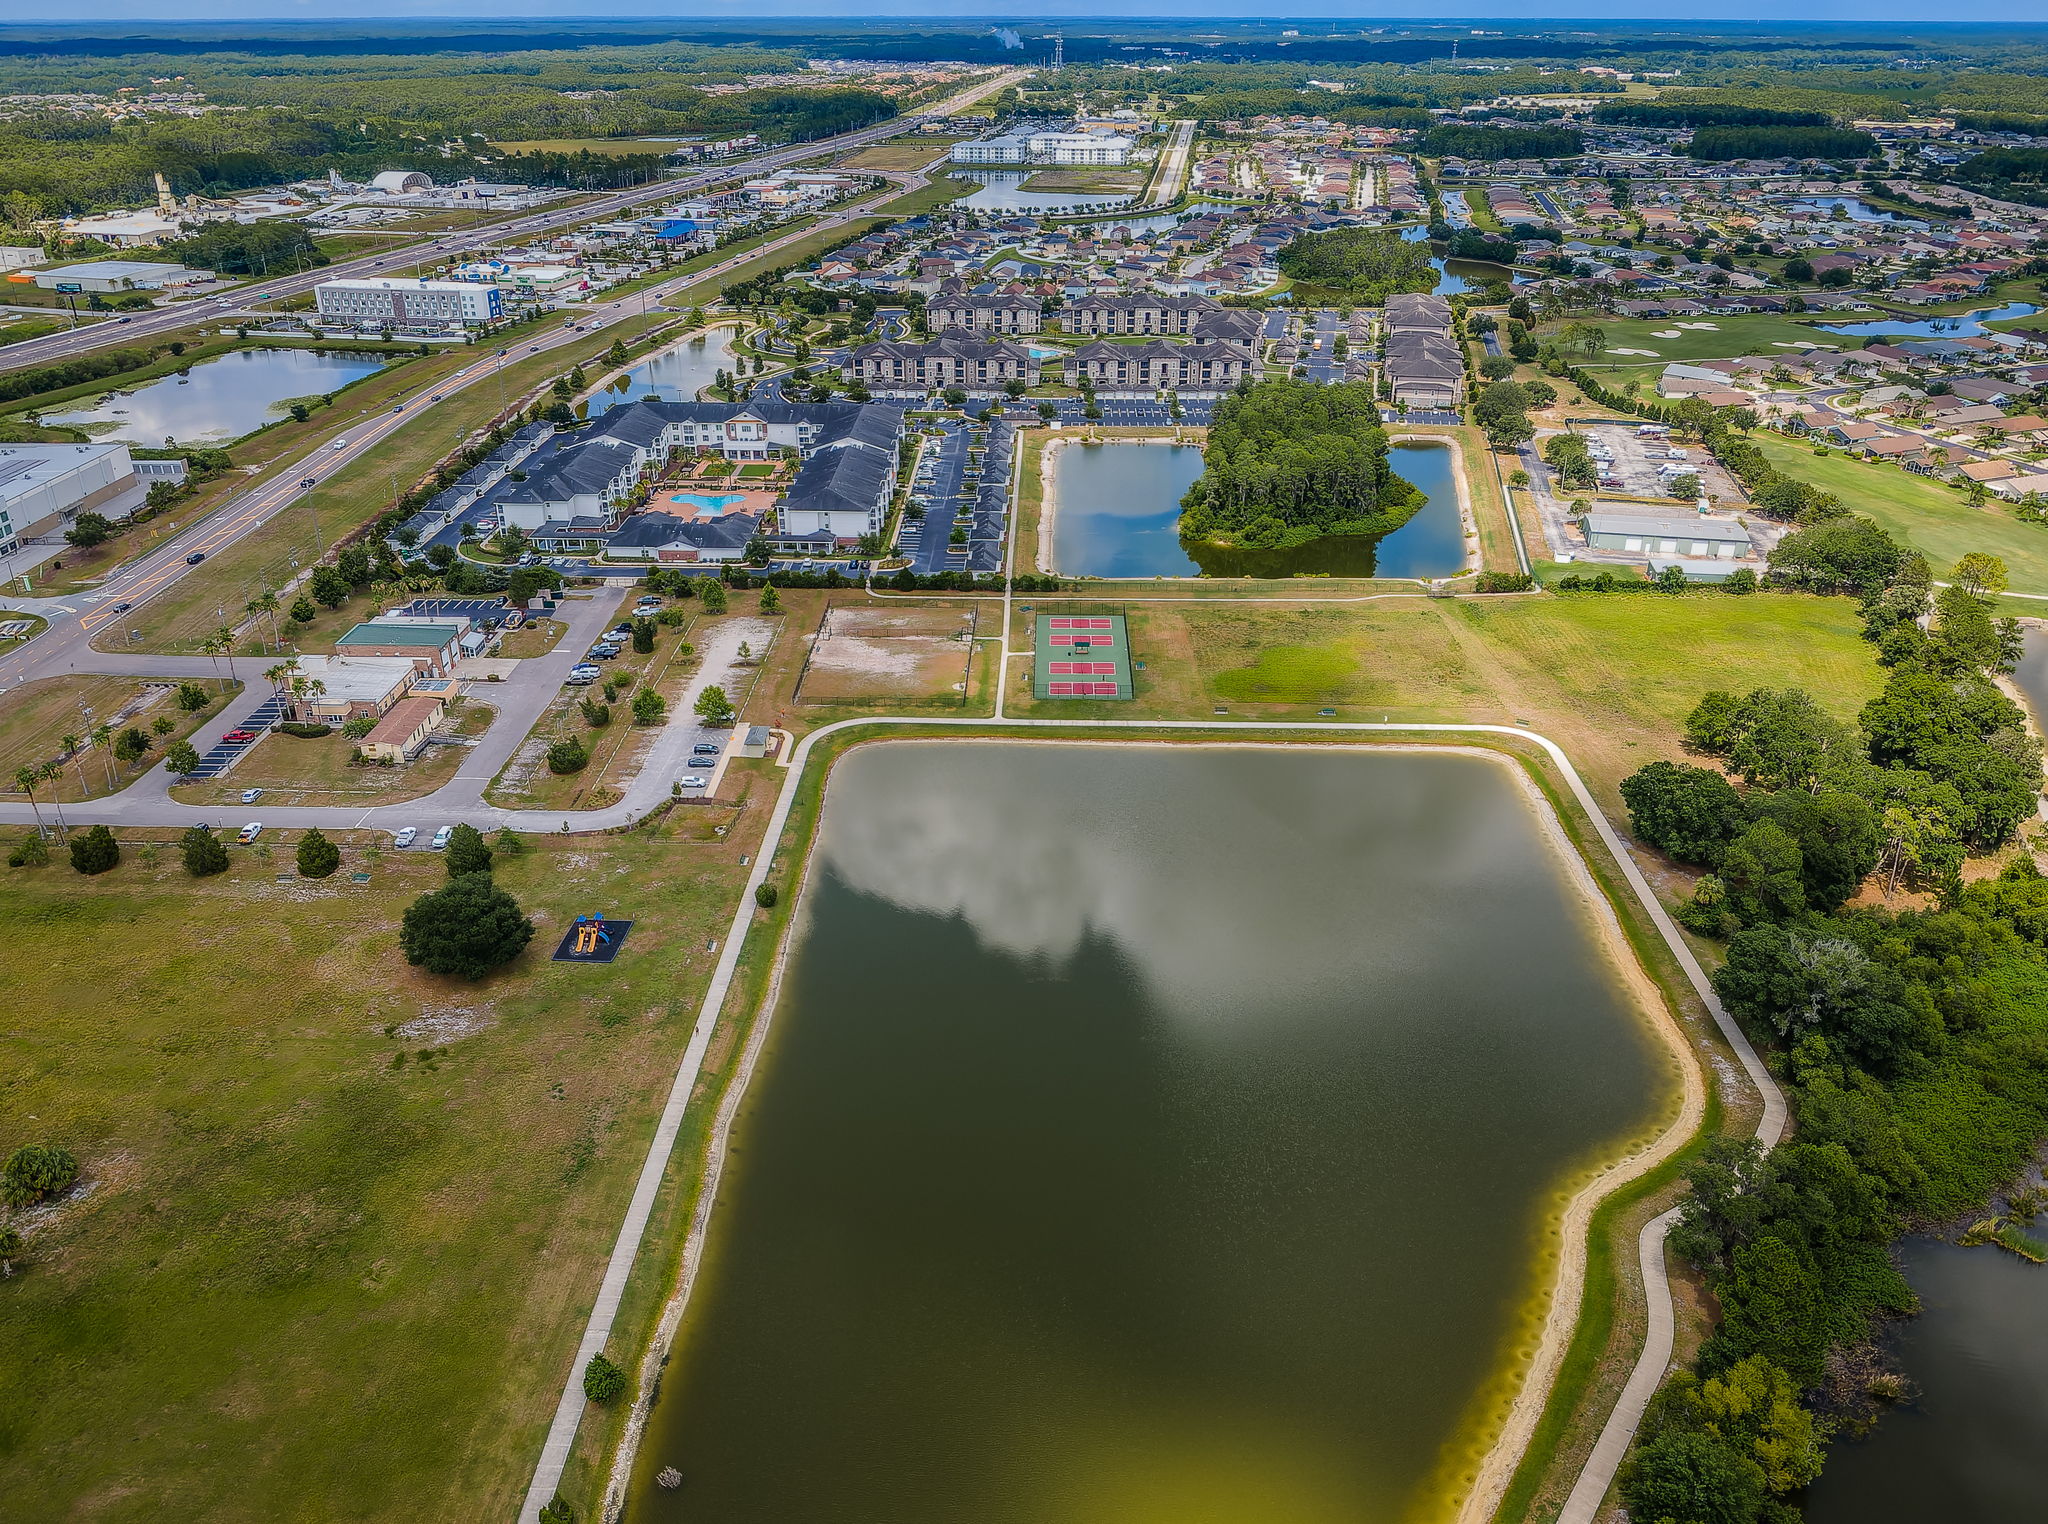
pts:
[759, 741]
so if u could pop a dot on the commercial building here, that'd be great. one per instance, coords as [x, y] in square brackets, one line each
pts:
[432, 648]
[331, 690]
[1046, 147]
[106, 275]
[404, 729]
[408, 304]
[1667, 535]
[45, 487]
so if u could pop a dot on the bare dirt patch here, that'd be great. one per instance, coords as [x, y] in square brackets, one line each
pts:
[861, 654]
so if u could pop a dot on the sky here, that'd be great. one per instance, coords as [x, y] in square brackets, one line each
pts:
[1917, 12]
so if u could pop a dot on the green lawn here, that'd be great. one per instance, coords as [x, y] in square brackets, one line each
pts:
[1933, 519]
[305, 1281]
[1746, 334]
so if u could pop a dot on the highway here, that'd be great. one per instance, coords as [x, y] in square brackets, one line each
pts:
[75, 621]
[141, 327]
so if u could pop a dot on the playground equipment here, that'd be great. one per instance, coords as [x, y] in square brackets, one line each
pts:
[592, 939]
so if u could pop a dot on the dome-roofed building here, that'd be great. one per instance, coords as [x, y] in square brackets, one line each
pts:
[402, 182]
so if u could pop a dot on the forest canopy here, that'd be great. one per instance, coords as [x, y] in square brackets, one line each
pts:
[1370, 264]
[1460, 142]
[1719, 144]
[1288, 462]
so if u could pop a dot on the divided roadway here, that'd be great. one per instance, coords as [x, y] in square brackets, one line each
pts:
[144, 326]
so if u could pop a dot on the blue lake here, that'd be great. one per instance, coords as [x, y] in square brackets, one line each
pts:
[674, 375]
[1961, 325]
[217, 400]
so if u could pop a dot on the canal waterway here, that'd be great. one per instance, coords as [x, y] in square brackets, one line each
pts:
[1140, 1136]
[676, 374]
[217, 400]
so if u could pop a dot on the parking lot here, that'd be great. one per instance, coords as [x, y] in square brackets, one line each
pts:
[1639, 465]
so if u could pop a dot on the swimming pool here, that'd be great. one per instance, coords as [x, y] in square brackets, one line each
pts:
[710, 502]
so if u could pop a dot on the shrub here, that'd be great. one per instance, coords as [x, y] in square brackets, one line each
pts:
[204, 853]
[96, 851]
[318, 857]
[192, 697]
[595, 715]
[643, 635]
[555, 1511]
[603, 1381]
[468, 852]
[33, 852]
[464, 929]
[567, 756]
[1503, 582]
[34, 1172]
[648, 707]
[510, 842]
[765, 896]
[306, 730]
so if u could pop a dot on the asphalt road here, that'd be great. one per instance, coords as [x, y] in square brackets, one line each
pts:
[146, 325]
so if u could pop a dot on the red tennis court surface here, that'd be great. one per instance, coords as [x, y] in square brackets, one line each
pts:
[1073, 646]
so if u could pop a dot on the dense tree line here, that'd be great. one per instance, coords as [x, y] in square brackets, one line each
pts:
[1369, 264]
[1995, 121]
[1704, 114]
[1288, 462]
[1913, 1046]
[1997, 170]
[1457, 141]
[247, 248]
[1720, 144]
[94, 366]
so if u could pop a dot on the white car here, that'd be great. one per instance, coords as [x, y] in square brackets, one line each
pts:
[339, 444]
[250, 832]
[441, 836]
[693, 781]
[405, 837]
[251, 795]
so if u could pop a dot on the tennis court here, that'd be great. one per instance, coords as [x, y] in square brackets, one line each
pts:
[1082, 656]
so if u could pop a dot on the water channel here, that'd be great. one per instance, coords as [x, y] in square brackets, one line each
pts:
[1118, 507]
[217, 400]
[1140, 1138]
[677, 373]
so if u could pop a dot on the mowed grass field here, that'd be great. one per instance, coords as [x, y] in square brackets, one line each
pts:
[1933, 519]
[1706, 338]
[1609, 677]
[305, 1279]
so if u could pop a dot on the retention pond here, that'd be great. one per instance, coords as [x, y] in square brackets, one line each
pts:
[218, 400]
[1117, 508]
[1146, 1133]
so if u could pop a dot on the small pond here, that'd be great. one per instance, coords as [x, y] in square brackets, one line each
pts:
[1961, 325]
[1455, 275]
[674, 375]
[1118, 508]
[1968, 1449]
[217, 400]
[1003, 191]
[1854, 208]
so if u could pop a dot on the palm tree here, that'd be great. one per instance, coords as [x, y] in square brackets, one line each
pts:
[225, 638]
[26, 779]
[103, 738]
[212, 647]
[281, 676]
[267, 604]
[73, 747]
[51, 772]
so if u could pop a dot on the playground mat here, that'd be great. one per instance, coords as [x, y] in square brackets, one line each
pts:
[577, 947]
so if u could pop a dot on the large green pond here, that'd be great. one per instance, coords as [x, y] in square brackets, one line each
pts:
[1147, 1135]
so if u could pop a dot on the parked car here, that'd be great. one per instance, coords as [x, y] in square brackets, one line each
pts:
[705, 749]
[239, 737]
[251, 795]
[691, 780]
[603, 653]
[405, 837]
[441, 836]
[195, 558]
[249, 832]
